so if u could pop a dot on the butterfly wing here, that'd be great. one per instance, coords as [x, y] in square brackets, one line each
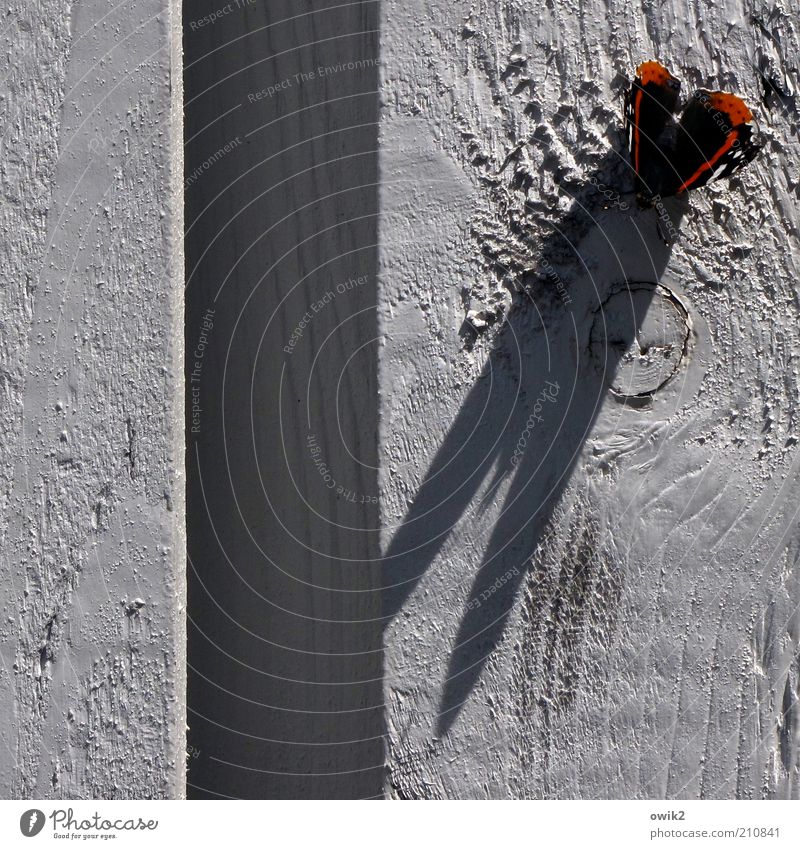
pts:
[714, 140]
[649, 107]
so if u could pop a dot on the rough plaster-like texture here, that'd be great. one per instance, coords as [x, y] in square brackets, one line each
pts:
[91, 456]
[585, 598]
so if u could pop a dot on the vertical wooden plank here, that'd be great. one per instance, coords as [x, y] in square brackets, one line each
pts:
[588, 598]
[91, 458]
[284, 631]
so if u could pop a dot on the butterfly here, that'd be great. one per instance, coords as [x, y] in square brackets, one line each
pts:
[712, 139]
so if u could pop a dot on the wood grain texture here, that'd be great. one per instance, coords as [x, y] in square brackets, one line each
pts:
[586, 598]
[284, 582]
[91, 457]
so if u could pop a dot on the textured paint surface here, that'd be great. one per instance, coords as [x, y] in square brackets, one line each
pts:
[585, 598]
[91, 454]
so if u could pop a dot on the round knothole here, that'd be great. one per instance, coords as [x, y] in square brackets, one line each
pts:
[639, 336]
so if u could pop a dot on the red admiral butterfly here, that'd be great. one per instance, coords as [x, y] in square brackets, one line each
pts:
[712, 139]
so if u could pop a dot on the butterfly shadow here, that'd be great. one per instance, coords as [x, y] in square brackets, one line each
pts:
[521, 428]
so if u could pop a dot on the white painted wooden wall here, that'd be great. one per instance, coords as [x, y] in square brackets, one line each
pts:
[582, 597]
[601, 602]
[92, 663]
